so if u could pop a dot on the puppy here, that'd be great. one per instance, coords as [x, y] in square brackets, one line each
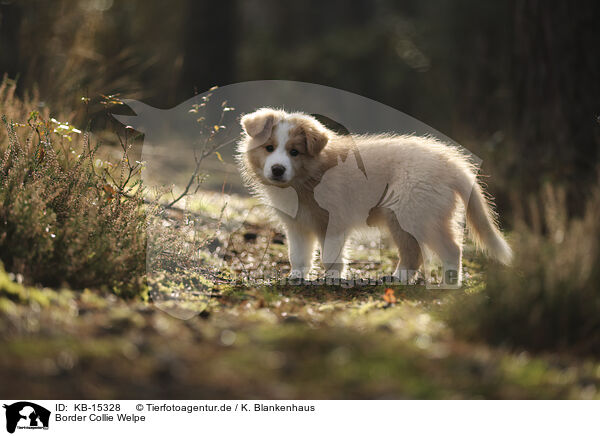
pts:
[323, 186]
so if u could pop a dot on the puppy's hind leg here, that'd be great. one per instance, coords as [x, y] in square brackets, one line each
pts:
[300, 250]
[450, 252]
[409, 250]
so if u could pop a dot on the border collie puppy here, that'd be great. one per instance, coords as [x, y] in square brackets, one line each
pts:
[323, 186]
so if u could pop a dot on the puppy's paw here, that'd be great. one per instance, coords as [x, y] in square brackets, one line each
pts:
[335, 273]
[406, 276]
[298, 275]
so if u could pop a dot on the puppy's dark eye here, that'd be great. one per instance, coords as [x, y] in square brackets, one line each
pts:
[294, 152]
[270, 148]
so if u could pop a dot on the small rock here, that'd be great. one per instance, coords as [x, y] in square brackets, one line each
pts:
[292, 319]
[213, 244]
[279, 238]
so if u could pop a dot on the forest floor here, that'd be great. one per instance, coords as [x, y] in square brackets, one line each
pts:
[268, 341]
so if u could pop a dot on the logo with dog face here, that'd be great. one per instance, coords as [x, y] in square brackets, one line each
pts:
[25, 415]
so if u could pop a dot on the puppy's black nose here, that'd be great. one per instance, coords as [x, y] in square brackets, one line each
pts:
[277, 171]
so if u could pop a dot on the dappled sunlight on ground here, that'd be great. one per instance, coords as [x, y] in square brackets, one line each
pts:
[262, 340]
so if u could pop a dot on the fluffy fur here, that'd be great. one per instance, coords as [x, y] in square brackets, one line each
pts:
[408, 185]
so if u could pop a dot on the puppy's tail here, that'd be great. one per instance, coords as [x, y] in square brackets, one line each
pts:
[481, 219]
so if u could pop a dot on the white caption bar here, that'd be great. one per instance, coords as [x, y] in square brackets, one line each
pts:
[299, 417]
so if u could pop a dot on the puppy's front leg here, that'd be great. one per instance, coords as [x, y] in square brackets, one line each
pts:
[301, 248]
[332, 252]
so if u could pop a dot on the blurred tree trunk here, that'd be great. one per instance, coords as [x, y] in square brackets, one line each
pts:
[209, 45]
[10, 25]
[556, 85]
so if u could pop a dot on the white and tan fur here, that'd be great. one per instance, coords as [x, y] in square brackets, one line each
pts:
[409, 185]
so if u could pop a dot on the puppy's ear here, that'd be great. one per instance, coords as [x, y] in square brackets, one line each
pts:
[259, 124]
[316, 137]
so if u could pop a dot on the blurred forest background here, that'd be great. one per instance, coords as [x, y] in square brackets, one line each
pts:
[516, 82]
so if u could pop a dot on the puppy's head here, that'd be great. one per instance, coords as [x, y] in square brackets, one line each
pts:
[281, 147]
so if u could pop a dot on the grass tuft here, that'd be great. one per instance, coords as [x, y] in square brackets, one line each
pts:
[63, 220]
[550, 299]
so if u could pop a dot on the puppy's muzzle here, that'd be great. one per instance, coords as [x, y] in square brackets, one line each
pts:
[277, 172]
